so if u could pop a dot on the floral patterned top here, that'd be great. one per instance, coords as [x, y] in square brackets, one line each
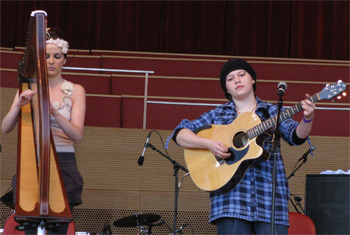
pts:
[62, 142]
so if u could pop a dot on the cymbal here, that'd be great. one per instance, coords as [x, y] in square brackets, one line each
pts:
[136, 220]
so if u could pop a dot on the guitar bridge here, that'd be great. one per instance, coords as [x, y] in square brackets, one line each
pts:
[219, 161]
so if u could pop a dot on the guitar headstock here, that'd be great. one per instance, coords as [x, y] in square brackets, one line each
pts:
[332, 90]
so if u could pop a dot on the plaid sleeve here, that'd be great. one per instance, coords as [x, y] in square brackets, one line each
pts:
[204, 119]
[185, 123]
[286, 128]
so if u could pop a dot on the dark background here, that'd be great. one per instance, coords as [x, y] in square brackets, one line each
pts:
[288, 29]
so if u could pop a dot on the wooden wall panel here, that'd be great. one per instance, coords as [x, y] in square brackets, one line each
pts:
[165, 66]
[9, 59]
[9, 78]
[124, 84]
[84, 61]
[92, 83]
[103, 111]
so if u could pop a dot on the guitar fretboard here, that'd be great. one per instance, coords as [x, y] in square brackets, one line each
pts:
[271, 122]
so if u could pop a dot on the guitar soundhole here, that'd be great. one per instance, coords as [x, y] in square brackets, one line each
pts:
[240, 139]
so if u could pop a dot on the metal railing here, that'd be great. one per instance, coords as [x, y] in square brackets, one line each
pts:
[124, 71]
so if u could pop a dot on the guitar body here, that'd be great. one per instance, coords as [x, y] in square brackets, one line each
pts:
[210, 173]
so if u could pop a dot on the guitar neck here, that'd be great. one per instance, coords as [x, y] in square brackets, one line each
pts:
[271, 122]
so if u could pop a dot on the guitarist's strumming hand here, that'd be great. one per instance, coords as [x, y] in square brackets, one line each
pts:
[218, 149]
[188, 139]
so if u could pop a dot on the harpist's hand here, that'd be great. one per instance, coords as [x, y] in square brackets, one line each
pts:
[25, 97]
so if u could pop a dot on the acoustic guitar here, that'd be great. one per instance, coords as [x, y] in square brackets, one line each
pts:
[244, 137]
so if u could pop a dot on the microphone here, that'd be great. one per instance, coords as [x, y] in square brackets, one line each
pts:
[282, 87]
[142, 157]
[311, 149]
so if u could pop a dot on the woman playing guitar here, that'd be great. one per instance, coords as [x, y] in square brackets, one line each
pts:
[247, 207]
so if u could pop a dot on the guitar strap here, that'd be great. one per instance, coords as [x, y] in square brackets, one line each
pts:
[264, 117]
[265, 114]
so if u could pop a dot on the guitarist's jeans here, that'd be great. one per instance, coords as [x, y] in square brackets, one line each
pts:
[239, 226]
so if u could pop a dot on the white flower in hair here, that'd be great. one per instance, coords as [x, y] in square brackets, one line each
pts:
[60, 43]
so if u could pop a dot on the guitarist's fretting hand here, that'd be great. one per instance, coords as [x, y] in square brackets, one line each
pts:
[305, 125]
[308, 107]
[188, 139]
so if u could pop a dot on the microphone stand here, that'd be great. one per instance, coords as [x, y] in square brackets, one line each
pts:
[290, 176]
[177, 166]
[295, 206]
[293, 172]
[275, 143]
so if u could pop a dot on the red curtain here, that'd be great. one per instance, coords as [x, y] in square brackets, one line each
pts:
[290, 29]
[320, 30]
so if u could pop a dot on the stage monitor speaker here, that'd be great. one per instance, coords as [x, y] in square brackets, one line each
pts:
[327, 203]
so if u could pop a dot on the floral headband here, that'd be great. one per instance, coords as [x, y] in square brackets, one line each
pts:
[60, 43]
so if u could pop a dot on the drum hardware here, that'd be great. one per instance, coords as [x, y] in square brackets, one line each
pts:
[140, 221]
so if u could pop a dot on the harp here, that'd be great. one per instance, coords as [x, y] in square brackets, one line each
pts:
[41, 200]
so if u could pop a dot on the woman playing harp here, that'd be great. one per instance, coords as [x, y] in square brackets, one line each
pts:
[67, 114]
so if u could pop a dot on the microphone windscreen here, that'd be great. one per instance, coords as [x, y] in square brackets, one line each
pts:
[140, 161]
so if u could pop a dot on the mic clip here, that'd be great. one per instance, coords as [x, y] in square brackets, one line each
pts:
[282, 87]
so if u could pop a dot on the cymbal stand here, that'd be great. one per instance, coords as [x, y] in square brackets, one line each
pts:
[140, 227]
[151, 225]
[177, 166]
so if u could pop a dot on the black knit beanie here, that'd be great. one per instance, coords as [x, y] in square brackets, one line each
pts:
[232, 65]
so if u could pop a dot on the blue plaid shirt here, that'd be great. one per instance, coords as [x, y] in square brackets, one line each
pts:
[251, 199]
